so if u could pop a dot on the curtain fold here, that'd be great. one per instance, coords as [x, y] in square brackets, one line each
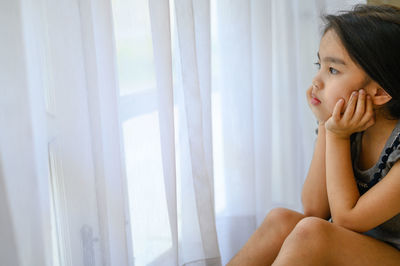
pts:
[161, 35]
[233, 85]
[103, 98]
[197, 239]
[193, 27]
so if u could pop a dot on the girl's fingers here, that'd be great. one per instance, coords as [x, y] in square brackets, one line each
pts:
[348, 113]
[360, 109]
[336, 110]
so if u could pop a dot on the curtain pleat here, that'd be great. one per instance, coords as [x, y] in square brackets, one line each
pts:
[161, 33]
[193, 30]
[193, 27]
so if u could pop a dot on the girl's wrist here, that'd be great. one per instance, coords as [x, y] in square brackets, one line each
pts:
[336, 136]
[321, 126]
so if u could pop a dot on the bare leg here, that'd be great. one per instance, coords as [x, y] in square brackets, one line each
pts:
[264, 245]
[315, 241]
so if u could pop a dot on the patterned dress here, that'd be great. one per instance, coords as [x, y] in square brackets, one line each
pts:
[389, 231]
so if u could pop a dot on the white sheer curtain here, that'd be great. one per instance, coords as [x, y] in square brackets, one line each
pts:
[175, 165]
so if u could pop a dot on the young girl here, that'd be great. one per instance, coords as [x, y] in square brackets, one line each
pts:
[354, 177]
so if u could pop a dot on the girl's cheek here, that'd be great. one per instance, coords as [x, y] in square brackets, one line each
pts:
[332, 107]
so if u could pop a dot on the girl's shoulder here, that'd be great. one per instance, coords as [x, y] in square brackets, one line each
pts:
[374, 160]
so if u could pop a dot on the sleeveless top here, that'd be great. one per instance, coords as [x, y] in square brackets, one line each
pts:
[389, 231]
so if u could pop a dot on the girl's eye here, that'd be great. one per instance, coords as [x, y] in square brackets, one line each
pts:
[333, 71]
[318, 65]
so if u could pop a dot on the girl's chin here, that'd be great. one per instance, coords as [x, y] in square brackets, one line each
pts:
[323, 120]
[322, 117]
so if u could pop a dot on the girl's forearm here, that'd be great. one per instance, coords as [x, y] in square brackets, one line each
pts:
[314, 195]
[341, 186]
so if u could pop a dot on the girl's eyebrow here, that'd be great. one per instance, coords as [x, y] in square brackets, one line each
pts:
[332, 60]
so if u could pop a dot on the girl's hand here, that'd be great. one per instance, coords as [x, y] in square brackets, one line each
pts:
[358, 116]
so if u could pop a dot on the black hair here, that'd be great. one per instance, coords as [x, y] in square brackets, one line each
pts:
[371, 36]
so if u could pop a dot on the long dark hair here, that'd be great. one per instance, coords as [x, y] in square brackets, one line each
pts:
[371, 36]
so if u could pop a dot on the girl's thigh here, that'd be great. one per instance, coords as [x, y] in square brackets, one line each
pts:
[357, 249]
[345, 247]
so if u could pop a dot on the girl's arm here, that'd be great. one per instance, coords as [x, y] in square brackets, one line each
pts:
[341, 185]
[314, 195]
[348, 209]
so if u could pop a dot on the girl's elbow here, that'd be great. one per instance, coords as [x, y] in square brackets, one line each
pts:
[349, 224]
[316, 211]
[342, 222]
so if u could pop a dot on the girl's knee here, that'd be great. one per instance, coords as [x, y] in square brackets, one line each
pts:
[312, 231]
[308, 242]
[279, 215]
[281, 221]
[282, 217]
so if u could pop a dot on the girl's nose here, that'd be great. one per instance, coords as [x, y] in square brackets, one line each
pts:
[316, 84]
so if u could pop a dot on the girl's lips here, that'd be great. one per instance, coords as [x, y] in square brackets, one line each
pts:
[315, 100]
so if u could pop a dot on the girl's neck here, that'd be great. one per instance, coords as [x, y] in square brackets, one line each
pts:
[374, 139]
[382, 128]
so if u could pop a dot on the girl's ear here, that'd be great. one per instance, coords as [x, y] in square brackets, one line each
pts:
[379, 96]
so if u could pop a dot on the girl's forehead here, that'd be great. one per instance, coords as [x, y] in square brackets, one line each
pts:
[332, 47]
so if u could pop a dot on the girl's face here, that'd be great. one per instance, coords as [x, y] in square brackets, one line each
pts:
[338, 76]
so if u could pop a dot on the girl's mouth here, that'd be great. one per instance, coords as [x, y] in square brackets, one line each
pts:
[314, 100]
